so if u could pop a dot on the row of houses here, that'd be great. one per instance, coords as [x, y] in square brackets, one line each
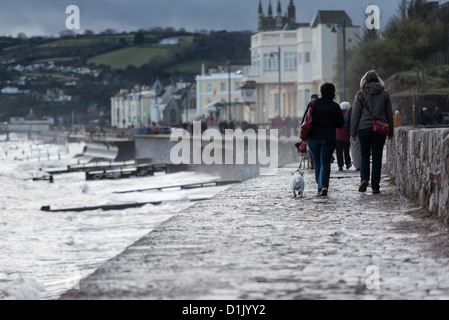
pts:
[288, 65]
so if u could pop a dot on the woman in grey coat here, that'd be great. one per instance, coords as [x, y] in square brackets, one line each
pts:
[371, 142]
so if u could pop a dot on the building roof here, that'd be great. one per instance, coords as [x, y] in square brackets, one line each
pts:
[331, 17]
[157, 86]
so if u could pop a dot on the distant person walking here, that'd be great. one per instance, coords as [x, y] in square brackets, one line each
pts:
[355, 143]
[378, 101]
[312, 98]
[437, 117]
[397, 119]
[327, 117]
[424, 117]
[343, 142]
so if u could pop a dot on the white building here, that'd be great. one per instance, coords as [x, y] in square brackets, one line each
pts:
[10, 90]
[309, 56]
[131, 109]
[140, 107]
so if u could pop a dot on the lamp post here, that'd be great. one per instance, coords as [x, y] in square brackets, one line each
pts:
[187, 99]
[279, 78]
[229, 90]
[343, 26]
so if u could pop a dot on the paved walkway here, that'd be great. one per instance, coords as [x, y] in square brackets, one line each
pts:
[254, 241]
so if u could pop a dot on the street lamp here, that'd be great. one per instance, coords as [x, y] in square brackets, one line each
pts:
[279, 78]
[343, 25]
[187, 97]
[229, 90]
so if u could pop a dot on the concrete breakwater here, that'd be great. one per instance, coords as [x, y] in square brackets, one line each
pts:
[418, 159]
[237, 161]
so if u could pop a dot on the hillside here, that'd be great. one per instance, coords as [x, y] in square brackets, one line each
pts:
[436, 80]
[79, 73]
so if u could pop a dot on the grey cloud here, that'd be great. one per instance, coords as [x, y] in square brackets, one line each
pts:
[47, 17]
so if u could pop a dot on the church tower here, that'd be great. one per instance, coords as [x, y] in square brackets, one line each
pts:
[279, 16]
[261, 16]
[291, 12]
[270, 10]
[271, 22]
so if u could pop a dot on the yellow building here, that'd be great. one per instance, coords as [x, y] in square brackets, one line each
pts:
[213, 91]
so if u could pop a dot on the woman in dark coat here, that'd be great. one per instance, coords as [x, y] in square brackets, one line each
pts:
[327, 117]
[371, 143]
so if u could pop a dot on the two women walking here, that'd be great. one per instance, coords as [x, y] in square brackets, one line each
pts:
[328, 117]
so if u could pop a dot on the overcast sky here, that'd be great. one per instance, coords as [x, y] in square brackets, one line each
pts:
[47, 17]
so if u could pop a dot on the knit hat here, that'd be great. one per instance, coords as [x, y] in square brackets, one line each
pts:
[345, 105]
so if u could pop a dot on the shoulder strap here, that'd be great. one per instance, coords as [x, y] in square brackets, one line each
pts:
[366, 104]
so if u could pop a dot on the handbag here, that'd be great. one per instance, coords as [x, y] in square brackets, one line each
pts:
[379, 126]
[307, 124]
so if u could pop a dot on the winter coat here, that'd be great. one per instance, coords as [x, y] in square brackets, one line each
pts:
[343, 133]
[327, 117]
[379, 104]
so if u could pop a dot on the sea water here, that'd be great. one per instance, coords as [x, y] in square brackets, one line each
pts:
[43, 254]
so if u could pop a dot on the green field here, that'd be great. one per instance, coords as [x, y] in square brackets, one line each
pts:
[135, 56]
[138, 56]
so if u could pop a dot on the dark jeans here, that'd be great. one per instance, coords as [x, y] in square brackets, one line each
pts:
[322, 151]
[371, 143]
[343, 150]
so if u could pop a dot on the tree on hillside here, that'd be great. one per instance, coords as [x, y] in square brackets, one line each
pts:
[88, 32]
[139, 37]
[67, 34]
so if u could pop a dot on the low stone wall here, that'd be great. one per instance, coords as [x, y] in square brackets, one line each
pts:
[418, 159]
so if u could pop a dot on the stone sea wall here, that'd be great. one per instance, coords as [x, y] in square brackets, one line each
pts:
[157, 149]
[418, 159]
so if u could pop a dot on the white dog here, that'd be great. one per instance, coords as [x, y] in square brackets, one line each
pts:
[298, 183]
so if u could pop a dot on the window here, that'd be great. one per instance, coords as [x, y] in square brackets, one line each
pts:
[308, 96]
[209, 87]
[270, 62]
[236, 85]
[256, 63]
[223, 86]
[276, 101]
[290, 61]
[307, 57]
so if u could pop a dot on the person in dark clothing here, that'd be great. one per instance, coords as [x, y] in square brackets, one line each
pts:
[343, 142]
[371, 143]
[437, 117]
[327, 117]
[312, 98]
[424, 117]
[355, 144]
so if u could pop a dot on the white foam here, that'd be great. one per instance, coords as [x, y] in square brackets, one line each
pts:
[26, 289]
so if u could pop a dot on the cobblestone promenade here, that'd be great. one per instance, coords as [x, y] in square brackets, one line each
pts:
[254, 241]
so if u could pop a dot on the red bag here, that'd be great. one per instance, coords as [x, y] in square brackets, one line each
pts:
[307, 124]
[381, 127]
